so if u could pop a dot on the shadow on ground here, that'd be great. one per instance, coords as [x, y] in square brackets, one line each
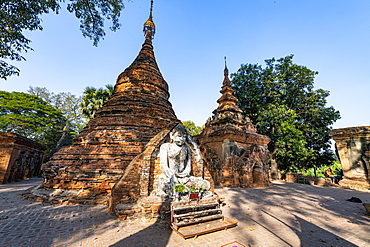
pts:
[157, 234]
[282, 215]
[28, 223]
[318, 216]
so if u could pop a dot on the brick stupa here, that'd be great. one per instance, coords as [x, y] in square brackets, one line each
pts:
[137, 111]
[234, 153]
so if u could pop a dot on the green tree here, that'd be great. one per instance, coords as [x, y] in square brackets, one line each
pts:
[281, 101]
[93, 99]
[30, 116]
[192, 129]
[17, 16]
[66, 103]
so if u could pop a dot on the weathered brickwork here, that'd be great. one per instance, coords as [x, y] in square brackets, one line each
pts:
[114, 160]
[353, 146]
[134, 193]
[20, 157]
[234, 153]
[136, 112]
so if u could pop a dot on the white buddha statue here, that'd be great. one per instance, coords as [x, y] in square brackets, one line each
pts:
[175, 163]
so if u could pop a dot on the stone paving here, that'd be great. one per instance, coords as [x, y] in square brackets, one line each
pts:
[286, 214]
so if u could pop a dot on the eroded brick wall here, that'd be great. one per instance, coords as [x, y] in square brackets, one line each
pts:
[20, 157]
[136, 112]
[141, 176]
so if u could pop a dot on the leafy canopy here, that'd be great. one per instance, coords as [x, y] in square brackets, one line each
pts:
[67, 103]
[30, 116]
[17, 16]
[93, 99]
[192, 129]
[281, 101]
[25, 114]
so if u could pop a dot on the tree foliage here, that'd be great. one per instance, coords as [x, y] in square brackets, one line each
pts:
[17, 16]
[30, 116]
[192, 129]
[281, 101]
[67, 103]
[93, 99]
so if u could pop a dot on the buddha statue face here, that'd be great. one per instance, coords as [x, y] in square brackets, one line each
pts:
[178, 136]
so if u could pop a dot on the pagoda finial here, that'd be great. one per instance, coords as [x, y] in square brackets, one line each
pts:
[149, 26]
[226, 70]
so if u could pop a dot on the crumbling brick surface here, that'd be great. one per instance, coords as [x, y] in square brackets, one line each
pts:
[20, 157]
[234, 153]
[136, 112]
[139, 182]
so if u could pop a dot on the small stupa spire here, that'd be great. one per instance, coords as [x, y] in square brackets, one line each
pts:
[226, 70]
[149, 26]
[227, 101]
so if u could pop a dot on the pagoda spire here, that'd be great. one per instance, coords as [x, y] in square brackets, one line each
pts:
[227, 101]
[226, 70]
[144, 69]
[228, 113]
[149, 26]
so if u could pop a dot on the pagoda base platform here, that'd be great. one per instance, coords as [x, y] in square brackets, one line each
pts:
[154, 208]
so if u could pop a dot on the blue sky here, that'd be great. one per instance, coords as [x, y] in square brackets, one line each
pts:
[192, 38]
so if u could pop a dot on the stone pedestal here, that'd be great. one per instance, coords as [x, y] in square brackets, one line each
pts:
[153, 208]
[353, 146]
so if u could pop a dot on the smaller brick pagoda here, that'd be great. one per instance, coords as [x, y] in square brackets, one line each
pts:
[234, 153]
[20, 157]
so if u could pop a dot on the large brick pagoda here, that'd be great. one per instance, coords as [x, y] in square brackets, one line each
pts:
[234, 153]
[137, 112]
